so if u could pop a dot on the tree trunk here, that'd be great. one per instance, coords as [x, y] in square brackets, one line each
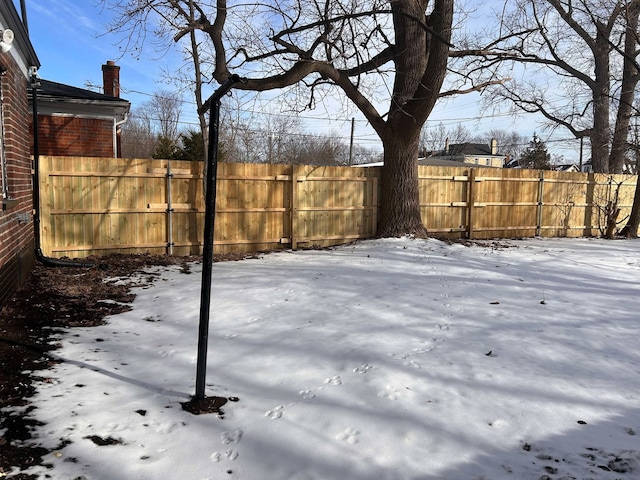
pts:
[630, 79]
[400, 209]
[601, 100]
[630, 230]
[420, 63]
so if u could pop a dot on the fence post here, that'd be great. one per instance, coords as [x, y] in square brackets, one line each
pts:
[169, 176]
[471, 192]
[540, 204]
[294, 205]
[45, 225]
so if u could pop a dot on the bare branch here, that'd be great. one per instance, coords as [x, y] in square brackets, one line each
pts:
[474, 88]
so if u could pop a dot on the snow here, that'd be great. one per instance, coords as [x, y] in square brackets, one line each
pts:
[386, 359]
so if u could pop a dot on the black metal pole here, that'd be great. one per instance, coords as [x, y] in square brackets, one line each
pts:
[209, 224]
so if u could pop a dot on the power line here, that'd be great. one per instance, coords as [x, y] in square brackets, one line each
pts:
[362, 138]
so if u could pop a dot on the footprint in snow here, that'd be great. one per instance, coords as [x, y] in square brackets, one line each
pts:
[275, 413]
[230, 454]
[390, 392]
[350, 435]
[413, 364]
[364, 368]
[306, 394]
[335, 380]
[231, 437]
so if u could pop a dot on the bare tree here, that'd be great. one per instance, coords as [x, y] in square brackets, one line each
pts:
[435, 139]
[432, 139]
[165, 107]
[579, 47]
[322, 45]
[278, 138]
[138, 138]
[511, 143]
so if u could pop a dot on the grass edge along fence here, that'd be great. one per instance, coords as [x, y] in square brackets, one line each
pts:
[97, 206]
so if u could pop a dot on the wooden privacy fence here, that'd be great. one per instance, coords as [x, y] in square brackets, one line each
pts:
[503, 203]
[96, 206]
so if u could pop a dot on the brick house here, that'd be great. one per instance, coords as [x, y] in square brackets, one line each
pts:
[78, 122]
[17, 240]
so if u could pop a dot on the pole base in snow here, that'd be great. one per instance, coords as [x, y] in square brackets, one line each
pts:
[198, 406]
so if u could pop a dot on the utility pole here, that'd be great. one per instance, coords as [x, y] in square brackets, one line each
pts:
[353, 126]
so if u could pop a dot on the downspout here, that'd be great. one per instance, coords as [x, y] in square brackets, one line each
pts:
[46, 261]
[116, 126]
[23, 11]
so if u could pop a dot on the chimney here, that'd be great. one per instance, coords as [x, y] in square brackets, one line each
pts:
[494, 146]
[446, 146]
[111, 78]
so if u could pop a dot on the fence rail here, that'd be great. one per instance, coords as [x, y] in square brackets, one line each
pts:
[96, 206]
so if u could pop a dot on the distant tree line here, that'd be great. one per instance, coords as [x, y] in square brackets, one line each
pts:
[152, 132]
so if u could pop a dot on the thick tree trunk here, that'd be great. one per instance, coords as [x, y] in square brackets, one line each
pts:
[630, 80]
[630, 230]
[400, 209]
[420, 62]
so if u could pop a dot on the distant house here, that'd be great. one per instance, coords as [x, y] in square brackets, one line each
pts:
[17, 240]
[441, 162]
[78, 122]
[477, 154]
[567, 167]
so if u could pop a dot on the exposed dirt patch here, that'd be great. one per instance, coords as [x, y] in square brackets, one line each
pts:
[56, 298]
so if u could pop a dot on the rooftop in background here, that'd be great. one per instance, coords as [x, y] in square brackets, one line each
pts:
[456, 149]
[428, 162]
[54, 89]
[53, 95]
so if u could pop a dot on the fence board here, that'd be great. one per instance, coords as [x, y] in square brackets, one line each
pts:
[95, 206]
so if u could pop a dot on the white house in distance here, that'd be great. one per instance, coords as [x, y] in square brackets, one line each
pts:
[477, 154]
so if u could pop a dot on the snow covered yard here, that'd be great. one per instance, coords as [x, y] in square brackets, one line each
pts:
[387, 359]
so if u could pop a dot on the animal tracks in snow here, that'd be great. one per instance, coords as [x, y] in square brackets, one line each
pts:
[307, 394]
[412, 362]
[231, 437]
[364, 368]
[335, 380]
[390, 392]
[228, 438]
[350, 435]
[229, 454]
[275, 413]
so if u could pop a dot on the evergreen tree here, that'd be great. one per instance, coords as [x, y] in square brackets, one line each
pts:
[165, 149]
[191, 147]
[536, 155]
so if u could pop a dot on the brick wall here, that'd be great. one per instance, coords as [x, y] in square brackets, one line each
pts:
[75, 136]
[16, 222]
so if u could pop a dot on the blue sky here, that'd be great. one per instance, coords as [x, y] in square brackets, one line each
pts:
[69, 38]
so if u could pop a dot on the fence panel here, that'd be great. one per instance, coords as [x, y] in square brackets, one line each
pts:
[96, 206]
[333, 204]
[507, 202]
[444, 199]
